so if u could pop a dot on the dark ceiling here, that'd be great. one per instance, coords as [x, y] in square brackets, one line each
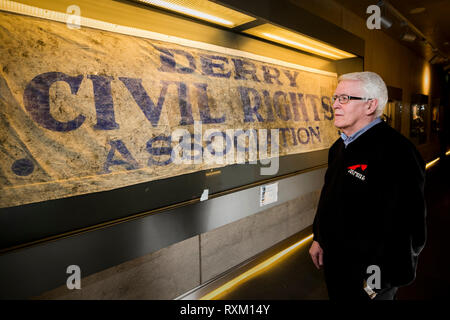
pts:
[431, 17]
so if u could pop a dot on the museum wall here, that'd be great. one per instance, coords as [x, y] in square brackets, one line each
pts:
[398, 65]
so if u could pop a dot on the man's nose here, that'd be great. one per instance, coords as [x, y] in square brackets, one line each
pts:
[336, 104]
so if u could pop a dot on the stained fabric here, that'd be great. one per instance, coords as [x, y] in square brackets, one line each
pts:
[87, 110]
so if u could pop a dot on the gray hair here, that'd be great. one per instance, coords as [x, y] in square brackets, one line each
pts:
[373, 86]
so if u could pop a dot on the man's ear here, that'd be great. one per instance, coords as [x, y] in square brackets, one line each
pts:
[372, 106]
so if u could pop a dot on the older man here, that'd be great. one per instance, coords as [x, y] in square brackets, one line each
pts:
[370, 224]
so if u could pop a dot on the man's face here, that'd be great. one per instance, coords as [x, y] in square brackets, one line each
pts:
[350, 117]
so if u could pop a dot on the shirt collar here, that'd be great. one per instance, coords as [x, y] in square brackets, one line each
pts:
[353, 137]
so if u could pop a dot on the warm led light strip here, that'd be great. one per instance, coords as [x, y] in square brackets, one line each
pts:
[339, 52]
[188, 11]
[431, 163]
[327, 49]
[253, 270]
[301, 45]
[447, 153]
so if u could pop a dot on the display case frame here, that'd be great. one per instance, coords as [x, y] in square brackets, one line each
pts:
[419, 119]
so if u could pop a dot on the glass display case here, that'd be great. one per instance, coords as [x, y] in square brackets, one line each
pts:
[419, 106]
[392, 113]
[435, 116]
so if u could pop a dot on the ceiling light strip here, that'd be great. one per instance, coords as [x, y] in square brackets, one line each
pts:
[188, 11]
[301, 45]
[339, 52]
[317, 43]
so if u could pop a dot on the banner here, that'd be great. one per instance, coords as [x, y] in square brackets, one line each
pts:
[89, 110]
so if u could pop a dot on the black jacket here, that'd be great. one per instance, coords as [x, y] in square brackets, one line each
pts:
[372, 206]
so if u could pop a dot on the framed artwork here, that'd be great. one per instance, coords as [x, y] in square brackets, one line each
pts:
[419, 106]
[435, 116]
[392, 113]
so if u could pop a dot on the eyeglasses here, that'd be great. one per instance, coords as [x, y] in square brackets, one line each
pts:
[343, 98]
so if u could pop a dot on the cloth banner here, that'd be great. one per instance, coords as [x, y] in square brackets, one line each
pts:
[89, 110]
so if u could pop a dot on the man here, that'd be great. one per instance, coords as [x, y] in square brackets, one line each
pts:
[370, 224]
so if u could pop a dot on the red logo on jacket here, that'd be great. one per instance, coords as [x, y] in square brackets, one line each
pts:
[352, 171]
[362, 166]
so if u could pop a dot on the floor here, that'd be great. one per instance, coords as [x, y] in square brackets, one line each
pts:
[295, 277]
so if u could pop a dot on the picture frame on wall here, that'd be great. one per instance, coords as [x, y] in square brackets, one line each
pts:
[434, 124]
[392, 113]
[418, 118]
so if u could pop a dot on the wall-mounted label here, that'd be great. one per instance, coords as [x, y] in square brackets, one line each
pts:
[204, 195]
[268, 194]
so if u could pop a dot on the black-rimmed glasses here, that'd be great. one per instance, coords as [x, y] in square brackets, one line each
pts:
[344, 98]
